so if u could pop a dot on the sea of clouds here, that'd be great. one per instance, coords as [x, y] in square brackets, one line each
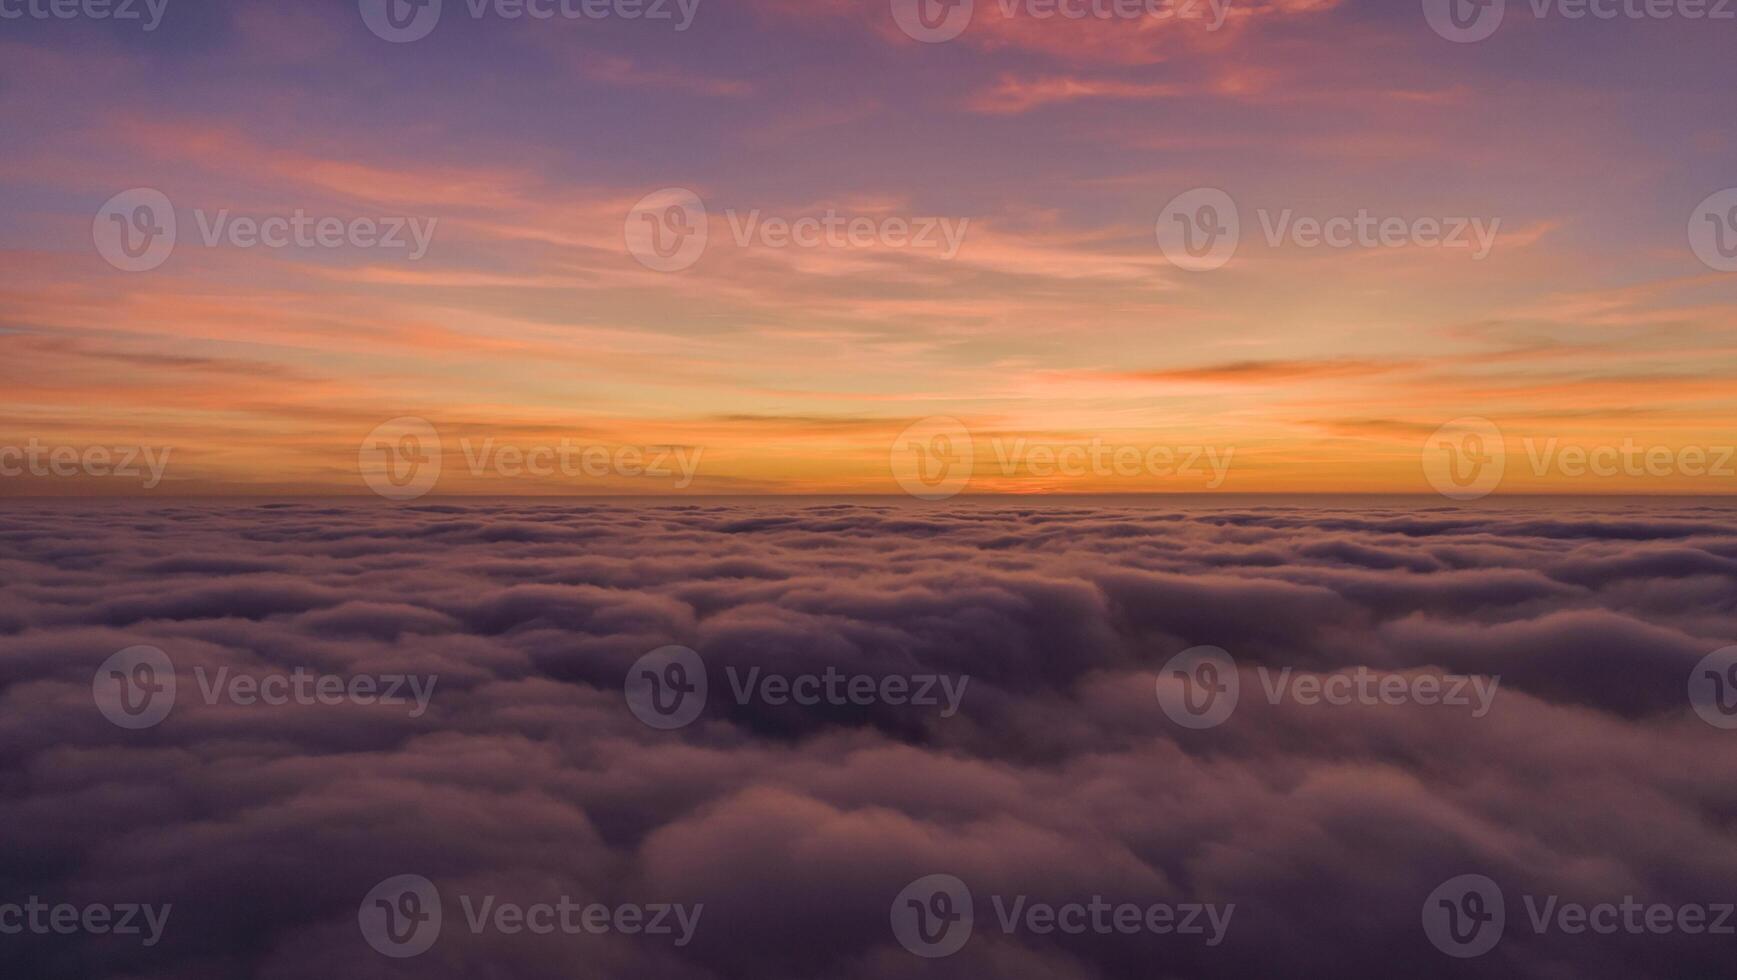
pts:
[527, 777]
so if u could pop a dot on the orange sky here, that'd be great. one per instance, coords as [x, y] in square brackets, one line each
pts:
[1058, 319]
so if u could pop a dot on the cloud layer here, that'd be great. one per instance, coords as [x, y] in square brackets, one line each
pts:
[1060, 778]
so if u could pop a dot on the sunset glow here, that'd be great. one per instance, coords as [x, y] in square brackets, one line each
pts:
[1582, 319]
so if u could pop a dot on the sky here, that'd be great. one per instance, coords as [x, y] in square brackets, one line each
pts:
[1002, 279]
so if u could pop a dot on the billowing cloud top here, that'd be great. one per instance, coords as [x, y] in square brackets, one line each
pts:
[1573, 767]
